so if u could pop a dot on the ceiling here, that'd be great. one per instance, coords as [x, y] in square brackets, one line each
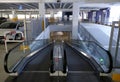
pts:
[53, 6]
[18, 6]
[23, 6]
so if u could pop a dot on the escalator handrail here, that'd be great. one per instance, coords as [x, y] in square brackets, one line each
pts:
[110, 59]
[7, 55]
[6, 58]
[64, 62]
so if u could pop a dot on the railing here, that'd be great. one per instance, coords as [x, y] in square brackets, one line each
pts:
[91, 49]
[15, 55]
[64, 62]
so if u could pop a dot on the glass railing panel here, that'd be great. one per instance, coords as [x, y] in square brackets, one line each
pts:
[22, 50]
[95, 51]
[116, 56]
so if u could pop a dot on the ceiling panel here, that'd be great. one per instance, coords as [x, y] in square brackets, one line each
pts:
[18, 6]
[54, 5]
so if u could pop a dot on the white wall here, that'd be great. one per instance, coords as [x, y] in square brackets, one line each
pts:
[114, 14]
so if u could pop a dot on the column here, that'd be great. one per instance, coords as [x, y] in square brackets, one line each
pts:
[90, 16]
[68, 17]
[42, 9]
[14, 16]
[82, 13]
[97, 16]
[108, 15]
[75, 20]
[30, 15]
[42, 14]
[8, 16]
[1, 14]
[63, 13]
[102, 17]
[52, 20]
[52, 13]
[25, 15]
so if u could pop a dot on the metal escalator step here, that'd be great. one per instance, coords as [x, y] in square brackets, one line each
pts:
[78, 77]
[38, 77]
[105, 79]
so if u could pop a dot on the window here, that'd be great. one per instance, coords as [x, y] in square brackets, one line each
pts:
[8, 25]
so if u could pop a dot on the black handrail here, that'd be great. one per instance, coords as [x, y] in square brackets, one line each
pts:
[64, 62]
[111, 62]
[52, 63]
[5, 63]
[6, 58]
[7, 55]
[110, 59]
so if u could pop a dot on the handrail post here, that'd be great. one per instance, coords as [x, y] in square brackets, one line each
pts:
[111, 36]
[117, 44]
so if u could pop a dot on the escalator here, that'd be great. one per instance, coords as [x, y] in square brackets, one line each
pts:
[84, 67]
[37, 69]
[79, 70]
[92, 51]
[31, 64]
[38, 65]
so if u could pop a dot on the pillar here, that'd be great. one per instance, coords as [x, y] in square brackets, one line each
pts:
[63, 13]
[14, 16]
[52, 20]
[1, 14]
[75, 20]
[82, 13]
[42, 13]
[108, 15]
[25, 15]
[93, 16]
[68, 17]
[42, 9]
[8, 15]
[90, 16]
[30, 15]
[102, 17]
[52, 13]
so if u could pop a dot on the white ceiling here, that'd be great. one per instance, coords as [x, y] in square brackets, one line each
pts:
[86, 1]
[53, 5]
